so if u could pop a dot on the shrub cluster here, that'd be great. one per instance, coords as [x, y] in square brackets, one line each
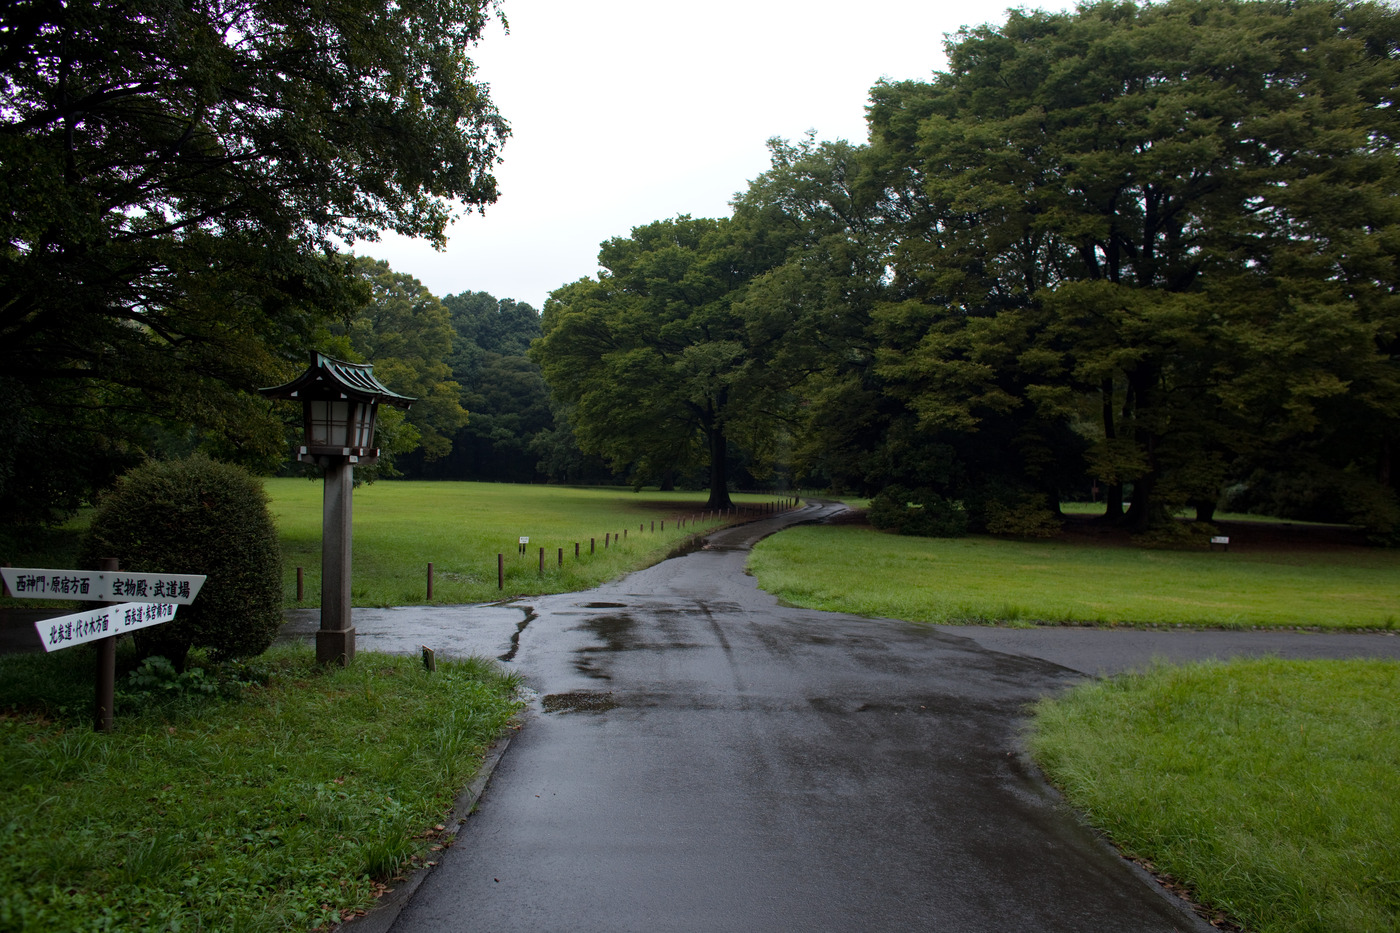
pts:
[196, 516]
[920, 512]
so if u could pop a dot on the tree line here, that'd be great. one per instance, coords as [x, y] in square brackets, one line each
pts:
[1139, 252]
[1144, 252]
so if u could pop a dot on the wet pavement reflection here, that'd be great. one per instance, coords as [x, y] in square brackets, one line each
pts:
[698, 757]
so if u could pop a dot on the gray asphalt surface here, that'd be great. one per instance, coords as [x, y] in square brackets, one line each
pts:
[698, 757]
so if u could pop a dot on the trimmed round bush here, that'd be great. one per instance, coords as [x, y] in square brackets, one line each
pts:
[919, 512]
[199, 517]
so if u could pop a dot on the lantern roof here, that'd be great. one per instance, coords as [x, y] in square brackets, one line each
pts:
[332, 378]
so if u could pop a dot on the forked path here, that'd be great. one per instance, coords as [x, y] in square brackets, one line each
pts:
[702, 758]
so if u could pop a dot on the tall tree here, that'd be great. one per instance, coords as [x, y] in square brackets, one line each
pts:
[1109, 216]
[825, 224]
[652, 358]
[176, 176]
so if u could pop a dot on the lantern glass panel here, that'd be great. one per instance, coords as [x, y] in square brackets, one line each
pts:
[327, 426]
[364, 424]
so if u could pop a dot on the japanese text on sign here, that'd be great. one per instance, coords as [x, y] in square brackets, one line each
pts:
[70, 630]
[41, 584]
[102, 585]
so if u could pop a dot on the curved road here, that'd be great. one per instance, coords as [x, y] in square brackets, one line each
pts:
[702, 758]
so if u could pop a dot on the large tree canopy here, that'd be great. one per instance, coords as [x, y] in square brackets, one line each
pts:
[658, 368]
[1175, 226]
[176, 175]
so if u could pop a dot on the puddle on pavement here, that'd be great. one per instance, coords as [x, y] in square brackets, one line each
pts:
[605, 605]
[688, 545]
[515, 638]
[614, 632]
[579, 701]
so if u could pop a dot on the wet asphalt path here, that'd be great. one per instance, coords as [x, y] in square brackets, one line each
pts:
[700, 758]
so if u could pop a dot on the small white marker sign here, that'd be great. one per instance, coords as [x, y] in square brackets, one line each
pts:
[103, 585]
[67, 631]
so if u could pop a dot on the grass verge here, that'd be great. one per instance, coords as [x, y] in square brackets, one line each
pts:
[1266, 787]
[979, 579]
[283, 807]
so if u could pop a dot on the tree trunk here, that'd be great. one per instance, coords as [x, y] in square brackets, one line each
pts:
[719, 471]
[1113, 503]
[1139, 512]
[1112, 493]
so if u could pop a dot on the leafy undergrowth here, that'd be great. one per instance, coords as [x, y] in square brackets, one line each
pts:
[1267, 788]
[219, 803]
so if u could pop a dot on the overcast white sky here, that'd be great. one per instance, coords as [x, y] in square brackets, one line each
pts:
[627, 111]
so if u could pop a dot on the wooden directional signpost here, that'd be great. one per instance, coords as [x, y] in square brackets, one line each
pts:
[156, 595]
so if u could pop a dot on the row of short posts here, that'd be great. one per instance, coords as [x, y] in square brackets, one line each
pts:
[765, 508]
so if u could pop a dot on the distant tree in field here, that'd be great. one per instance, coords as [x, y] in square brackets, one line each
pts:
[176, 177]
[1170, 226]
[658, 368]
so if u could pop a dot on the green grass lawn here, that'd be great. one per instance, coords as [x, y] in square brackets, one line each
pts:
[400, 527]
[279, 809]
[1269, 787]
[980, 579]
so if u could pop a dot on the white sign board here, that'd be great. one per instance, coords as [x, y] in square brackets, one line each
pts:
[67, 631]
[524, 539]
[102, 585]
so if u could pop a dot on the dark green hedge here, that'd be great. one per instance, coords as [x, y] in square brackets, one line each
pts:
[196, 516]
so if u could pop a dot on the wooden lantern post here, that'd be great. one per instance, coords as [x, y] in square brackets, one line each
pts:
[340, 402]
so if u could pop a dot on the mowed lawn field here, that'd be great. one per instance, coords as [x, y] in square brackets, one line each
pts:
[460, 528]
[853, 568]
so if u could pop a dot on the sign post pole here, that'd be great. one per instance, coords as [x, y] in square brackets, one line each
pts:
[105, 703]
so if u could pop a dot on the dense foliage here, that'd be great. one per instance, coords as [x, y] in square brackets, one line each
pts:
[1143, 252]
[1171, 227]
[176, 178]
[1148, 251]
[196, 516]
[657, 362]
